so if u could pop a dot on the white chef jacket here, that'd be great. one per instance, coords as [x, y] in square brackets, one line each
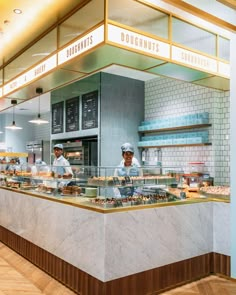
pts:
[135, 163]
[133, 170]
[61, 166]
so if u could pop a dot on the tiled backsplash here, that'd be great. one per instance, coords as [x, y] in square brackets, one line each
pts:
[165, 97]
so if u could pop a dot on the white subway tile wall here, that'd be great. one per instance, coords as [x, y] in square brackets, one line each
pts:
[165, 97]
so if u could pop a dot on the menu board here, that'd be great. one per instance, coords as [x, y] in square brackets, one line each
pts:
[90, 110]
[57, 117]
[72, 114]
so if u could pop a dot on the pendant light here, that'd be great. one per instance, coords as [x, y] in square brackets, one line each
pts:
[13, 126]
[38, 120]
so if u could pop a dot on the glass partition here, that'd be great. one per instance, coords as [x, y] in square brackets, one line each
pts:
[139, 16]
[139, 185]
[224, 48]
[37, 52]
[84, 19]
[193, 37]
[107, 187]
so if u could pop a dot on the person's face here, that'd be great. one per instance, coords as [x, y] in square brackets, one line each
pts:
[57, 152]
[128, 156]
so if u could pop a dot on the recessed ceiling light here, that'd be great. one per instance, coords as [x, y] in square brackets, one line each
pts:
[17, 11]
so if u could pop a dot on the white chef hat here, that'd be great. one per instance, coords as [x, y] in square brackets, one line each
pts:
[127, 147]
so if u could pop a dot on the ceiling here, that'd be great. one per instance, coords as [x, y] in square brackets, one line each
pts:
[17, 30]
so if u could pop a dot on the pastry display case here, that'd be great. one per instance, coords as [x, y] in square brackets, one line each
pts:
[92, 186]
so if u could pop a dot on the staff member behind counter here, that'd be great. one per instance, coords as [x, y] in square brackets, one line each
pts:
[129, 166]
[61, 167]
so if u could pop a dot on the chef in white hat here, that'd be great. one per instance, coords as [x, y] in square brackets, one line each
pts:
[60, 165]
[127, 147]
[129, 166]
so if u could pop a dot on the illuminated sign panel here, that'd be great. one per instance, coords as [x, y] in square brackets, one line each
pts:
[30, 75]
[123, 38]
[224, 69]
[13, 85]
[82, 45]
[139, 42]
[193, 59]
[41, 69]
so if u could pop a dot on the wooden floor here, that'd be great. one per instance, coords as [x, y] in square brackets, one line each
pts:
[212, 285]
[19, 277]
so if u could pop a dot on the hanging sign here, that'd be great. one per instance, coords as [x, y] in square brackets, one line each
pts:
[138, 42]
[81, 45]
[36, 72]
[194, 59]
[224, 69]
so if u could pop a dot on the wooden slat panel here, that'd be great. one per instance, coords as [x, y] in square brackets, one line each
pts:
[138, 284]
[221, 264]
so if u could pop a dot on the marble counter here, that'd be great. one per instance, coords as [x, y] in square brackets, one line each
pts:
[117, 244]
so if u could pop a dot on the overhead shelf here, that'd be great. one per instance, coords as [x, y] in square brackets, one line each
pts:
[162, 132]
[175, 145]
[175, 128]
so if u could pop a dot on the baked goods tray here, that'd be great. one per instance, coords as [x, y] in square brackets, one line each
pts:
[215, 196]
[27, 188]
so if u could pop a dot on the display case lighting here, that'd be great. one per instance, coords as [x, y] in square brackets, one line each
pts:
[39, 120]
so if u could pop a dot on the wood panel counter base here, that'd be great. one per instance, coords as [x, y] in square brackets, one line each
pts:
[148, 282]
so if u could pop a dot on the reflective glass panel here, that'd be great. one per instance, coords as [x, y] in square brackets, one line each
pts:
[81, 21]
[224, 48]
[193, 37]
[31, 56]
[139, 16]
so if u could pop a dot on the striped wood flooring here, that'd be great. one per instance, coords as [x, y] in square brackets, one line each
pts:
[212, 285]
[20, 277]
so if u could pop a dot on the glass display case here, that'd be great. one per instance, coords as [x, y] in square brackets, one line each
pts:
[93, 186]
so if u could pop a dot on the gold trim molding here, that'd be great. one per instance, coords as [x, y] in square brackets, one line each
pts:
[229, 3]
[203, 14]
